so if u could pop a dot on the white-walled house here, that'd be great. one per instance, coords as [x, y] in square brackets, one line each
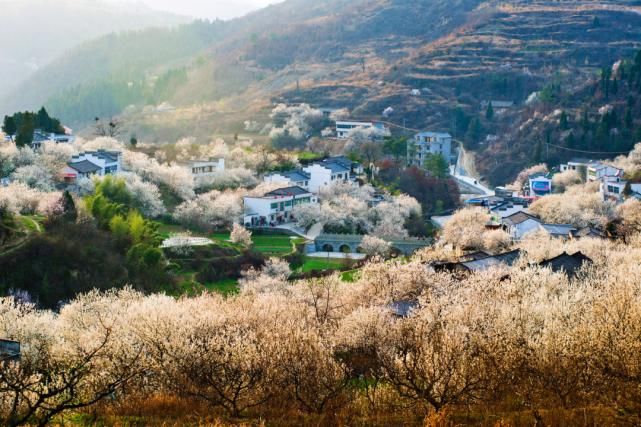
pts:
[318, 175]
[294, 178]
[40, 137]
[519, 224]
[202, 168]
[90, 163]
[612, 189]
[275, 207]
[579, 165]
[344, 127]
[601, 172]
[325, 174]
[426, 143]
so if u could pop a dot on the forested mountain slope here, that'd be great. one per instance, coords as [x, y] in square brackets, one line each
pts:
[365, 55]
[52, 28]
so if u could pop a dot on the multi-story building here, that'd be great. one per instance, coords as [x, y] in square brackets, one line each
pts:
[90, 163]
[318, 175]
[428, 143]
[275, 207]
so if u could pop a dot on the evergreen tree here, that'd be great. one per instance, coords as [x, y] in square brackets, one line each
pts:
[9, 126]
[436, 165]
[474, 132]
[570, 141]
[489, 114]
[563, 121]
[27, 125]
[538, 153]
[69, 211]
[628, 121]
[585, 121]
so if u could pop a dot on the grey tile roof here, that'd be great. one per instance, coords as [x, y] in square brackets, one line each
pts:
[288, 191]
[84, 166]
[335, 167]
[559, 229]
[403, 308]
[519, 218]
[566, 263]
[111, 156]
[508, 258]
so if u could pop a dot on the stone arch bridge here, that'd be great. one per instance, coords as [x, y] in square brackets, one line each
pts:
[351, 243]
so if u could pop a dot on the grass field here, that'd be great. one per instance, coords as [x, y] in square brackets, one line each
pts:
[320, 264]
[269, 245]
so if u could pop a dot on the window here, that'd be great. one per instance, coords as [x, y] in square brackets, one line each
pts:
[274, 205]
[288, 204]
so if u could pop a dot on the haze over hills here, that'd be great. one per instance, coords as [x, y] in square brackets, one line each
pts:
[366, 55]
[34, 32]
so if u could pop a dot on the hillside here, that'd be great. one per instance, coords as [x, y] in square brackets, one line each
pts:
[55, 27]
[366, 55]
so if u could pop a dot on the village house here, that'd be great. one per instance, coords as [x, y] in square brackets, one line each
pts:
[203, 168]
[275, 207]
[519, 224]
[480, 262]
[497, 106]
[40, 137]
[90, 163]
[426, 143]
[612, 185]
[294, 178]
[561, 231]
[344, 127]
[318, 175]
[580, 165]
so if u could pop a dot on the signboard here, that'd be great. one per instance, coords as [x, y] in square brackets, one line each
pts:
[541, 186]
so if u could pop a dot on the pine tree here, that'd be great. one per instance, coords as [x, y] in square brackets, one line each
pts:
[436, 165]
[563, 121]
[473, 134]
[570, 141]
[24, 136]
[628, 118]
[69, 212]
[9, 126]
[489, 114]
[538, 153]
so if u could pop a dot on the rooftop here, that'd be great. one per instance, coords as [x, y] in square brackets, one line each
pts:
[508, 258]
[435, 134]
[84, 166]
[287, 191]
[403, 308]
[519, 218]
[294, 175]
[559, 229]
[566, 263]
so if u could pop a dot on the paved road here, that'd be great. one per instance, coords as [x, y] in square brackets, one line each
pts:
[468, 184]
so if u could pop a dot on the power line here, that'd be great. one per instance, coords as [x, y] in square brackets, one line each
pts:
[586, 152]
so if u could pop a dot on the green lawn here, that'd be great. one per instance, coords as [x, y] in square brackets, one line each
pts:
[224, 287]
[269, 245]
[190, 286]
[320, 264]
